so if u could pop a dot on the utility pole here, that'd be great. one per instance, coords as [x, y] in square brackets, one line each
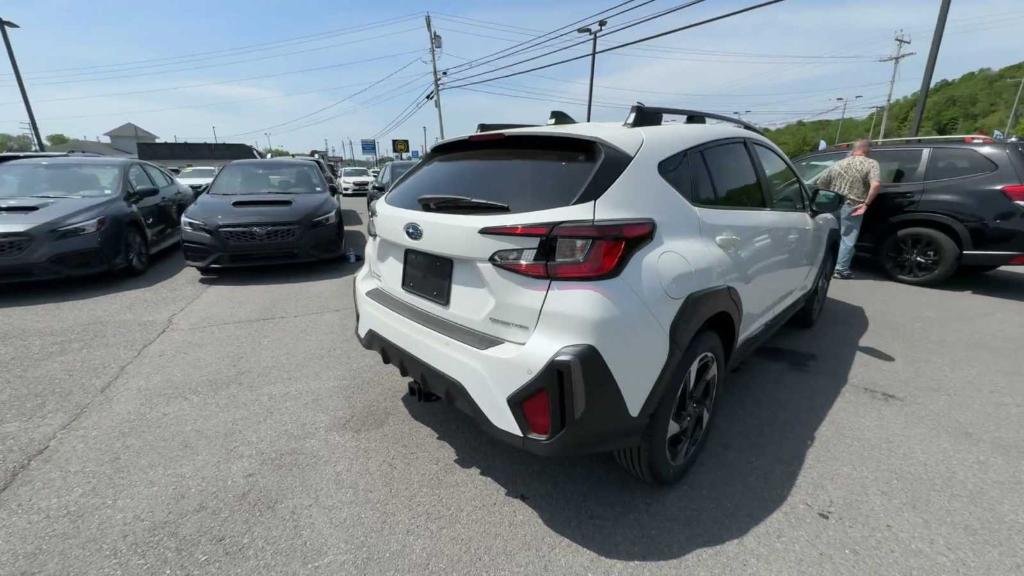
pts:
[351, 150]
[4, 25]
[895, 59]
[842, 116]
[435, 44]
[269, 147]
[929, 67]
[424, 151]
[1013, 111]
[874, 116]
[593, 59]
[327, 149]
[214, 134]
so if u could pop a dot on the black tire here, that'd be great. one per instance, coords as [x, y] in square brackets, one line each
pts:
[919, 256]
[665, 452]
[136, 252]
[809, 313]
[205, 271]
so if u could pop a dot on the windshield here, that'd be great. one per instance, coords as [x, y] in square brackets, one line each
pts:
[268, 178]
[198, 173]
[355, 173]
[811, 168]
[59, 180]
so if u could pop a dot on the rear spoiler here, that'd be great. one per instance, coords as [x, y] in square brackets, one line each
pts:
[497, 127]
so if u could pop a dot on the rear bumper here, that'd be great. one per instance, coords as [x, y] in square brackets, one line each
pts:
[208, 251]
[588, 412]
[981, 258]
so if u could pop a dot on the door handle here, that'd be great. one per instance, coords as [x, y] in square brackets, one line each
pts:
[727, 242]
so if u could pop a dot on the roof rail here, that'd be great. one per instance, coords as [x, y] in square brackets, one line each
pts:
[968, 138]
[641, 115]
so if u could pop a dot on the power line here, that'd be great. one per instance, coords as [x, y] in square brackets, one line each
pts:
[232, 81]
[587, 41]
[327, 107]
[404, 115]
[630, 43]
[261, 46]
[191, 67]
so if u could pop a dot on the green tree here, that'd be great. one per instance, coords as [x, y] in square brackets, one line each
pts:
[276, 152]
[57, 139]
[16, 143]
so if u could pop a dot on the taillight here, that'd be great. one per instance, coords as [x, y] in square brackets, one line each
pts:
[1014, 193]
[537, 410]
[572, 250]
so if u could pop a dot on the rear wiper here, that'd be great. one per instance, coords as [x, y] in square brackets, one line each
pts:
[433, 203]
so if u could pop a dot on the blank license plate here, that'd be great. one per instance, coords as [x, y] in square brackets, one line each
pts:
[427, 276]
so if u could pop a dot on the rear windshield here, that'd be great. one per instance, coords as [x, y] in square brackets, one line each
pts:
[198, 173]
[529, 175]
[355, 173]
[266, 177]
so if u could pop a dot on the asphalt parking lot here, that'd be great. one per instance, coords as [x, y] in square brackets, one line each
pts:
[233, 424]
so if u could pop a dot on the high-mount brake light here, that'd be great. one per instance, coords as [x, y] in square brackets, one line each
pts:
[572, 250]
[485, 136]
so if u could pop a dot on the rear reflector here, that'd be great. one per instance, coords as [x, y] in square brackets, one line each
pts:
[1016, 261]
[573, 250]
[1014, 193]
[537, 410]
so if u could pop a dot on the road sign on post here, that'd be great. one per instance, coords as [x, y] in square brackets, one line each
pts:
[415, 153]
[400, 146]
[369, 147]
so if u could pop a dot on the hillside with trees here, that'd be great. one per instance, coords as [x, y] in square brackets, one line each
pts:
[976, 103]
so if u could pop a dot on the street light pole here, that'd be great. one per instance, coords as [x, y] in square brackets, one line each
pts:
[739, 115]
[435, 44]
[842, 116]
[269, 147]
[1013, 111]
[593, 60]
[874, 116]
[4, 25]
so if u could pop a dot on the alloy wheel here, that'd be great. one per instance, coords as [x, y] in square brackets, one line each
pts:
[692, 413]
[914, 256]
[135, 250]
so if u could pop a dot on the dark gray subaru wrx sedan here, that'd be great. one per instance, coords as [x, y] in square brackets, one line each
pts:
[263, 212]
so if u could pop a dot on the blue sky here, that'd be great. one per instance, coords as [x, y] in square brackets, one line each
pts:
[304, 71]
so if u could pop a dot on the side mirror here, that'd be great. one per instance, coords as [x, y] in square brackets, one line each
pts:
[826, 202]
[377, 187]
[333, 188]
[146, 191]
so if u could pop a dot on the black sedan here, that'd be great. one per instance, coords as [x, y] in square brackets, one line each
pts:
[75, 215]
[263, 212]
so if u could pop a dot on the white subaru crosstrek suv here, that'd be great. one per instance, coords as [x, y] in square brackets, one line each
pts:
[585, 287]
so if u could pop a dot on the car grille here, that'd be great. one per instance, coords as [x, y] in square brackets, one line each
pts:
[259, 234]
[12, 245]
[361, 184]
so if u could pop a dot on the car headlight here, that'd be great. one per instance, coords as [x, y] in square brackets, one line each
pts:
[82, 228]
[327, 219]
[193, 225]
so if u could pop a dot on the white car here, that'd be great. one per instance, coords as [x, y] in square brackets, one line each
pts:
[354, 181]
[585, 287]
[197, 177]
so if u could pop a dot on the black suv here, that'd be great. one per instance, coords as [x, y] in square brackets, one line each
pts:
[946, 203]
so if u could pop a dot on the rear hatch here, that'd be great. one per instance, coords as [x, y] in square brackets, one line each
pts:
[430, 251]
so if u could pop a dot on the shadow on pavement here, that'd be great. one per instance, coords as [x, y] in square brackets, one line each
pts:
[164, 265]
[767, 421]
[351, 218]
[292, 273]
[1002, 283]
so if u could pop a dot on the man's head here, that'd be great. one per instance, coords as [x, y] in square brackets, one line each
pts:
[861, 147]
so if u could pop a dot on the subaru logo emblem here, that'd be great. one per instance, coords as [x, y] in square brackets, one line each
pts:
[413, 231]
[259, 230]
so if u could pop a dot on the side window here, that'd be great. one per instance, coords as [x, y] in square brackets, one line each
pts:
[137, 178]
[157, 176]
[732, 172]
[956, 162]
[898, 166]
[786, 191]
[674, 170]
[703, 189]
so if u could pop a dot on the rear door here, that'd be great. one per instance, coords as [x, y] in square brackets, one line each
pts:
[171, 198]
[421, 243]
[902, 171]
[736, 217]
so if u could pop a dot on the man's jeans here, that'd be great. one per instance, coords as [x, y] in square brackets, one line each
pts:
[849, 230]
